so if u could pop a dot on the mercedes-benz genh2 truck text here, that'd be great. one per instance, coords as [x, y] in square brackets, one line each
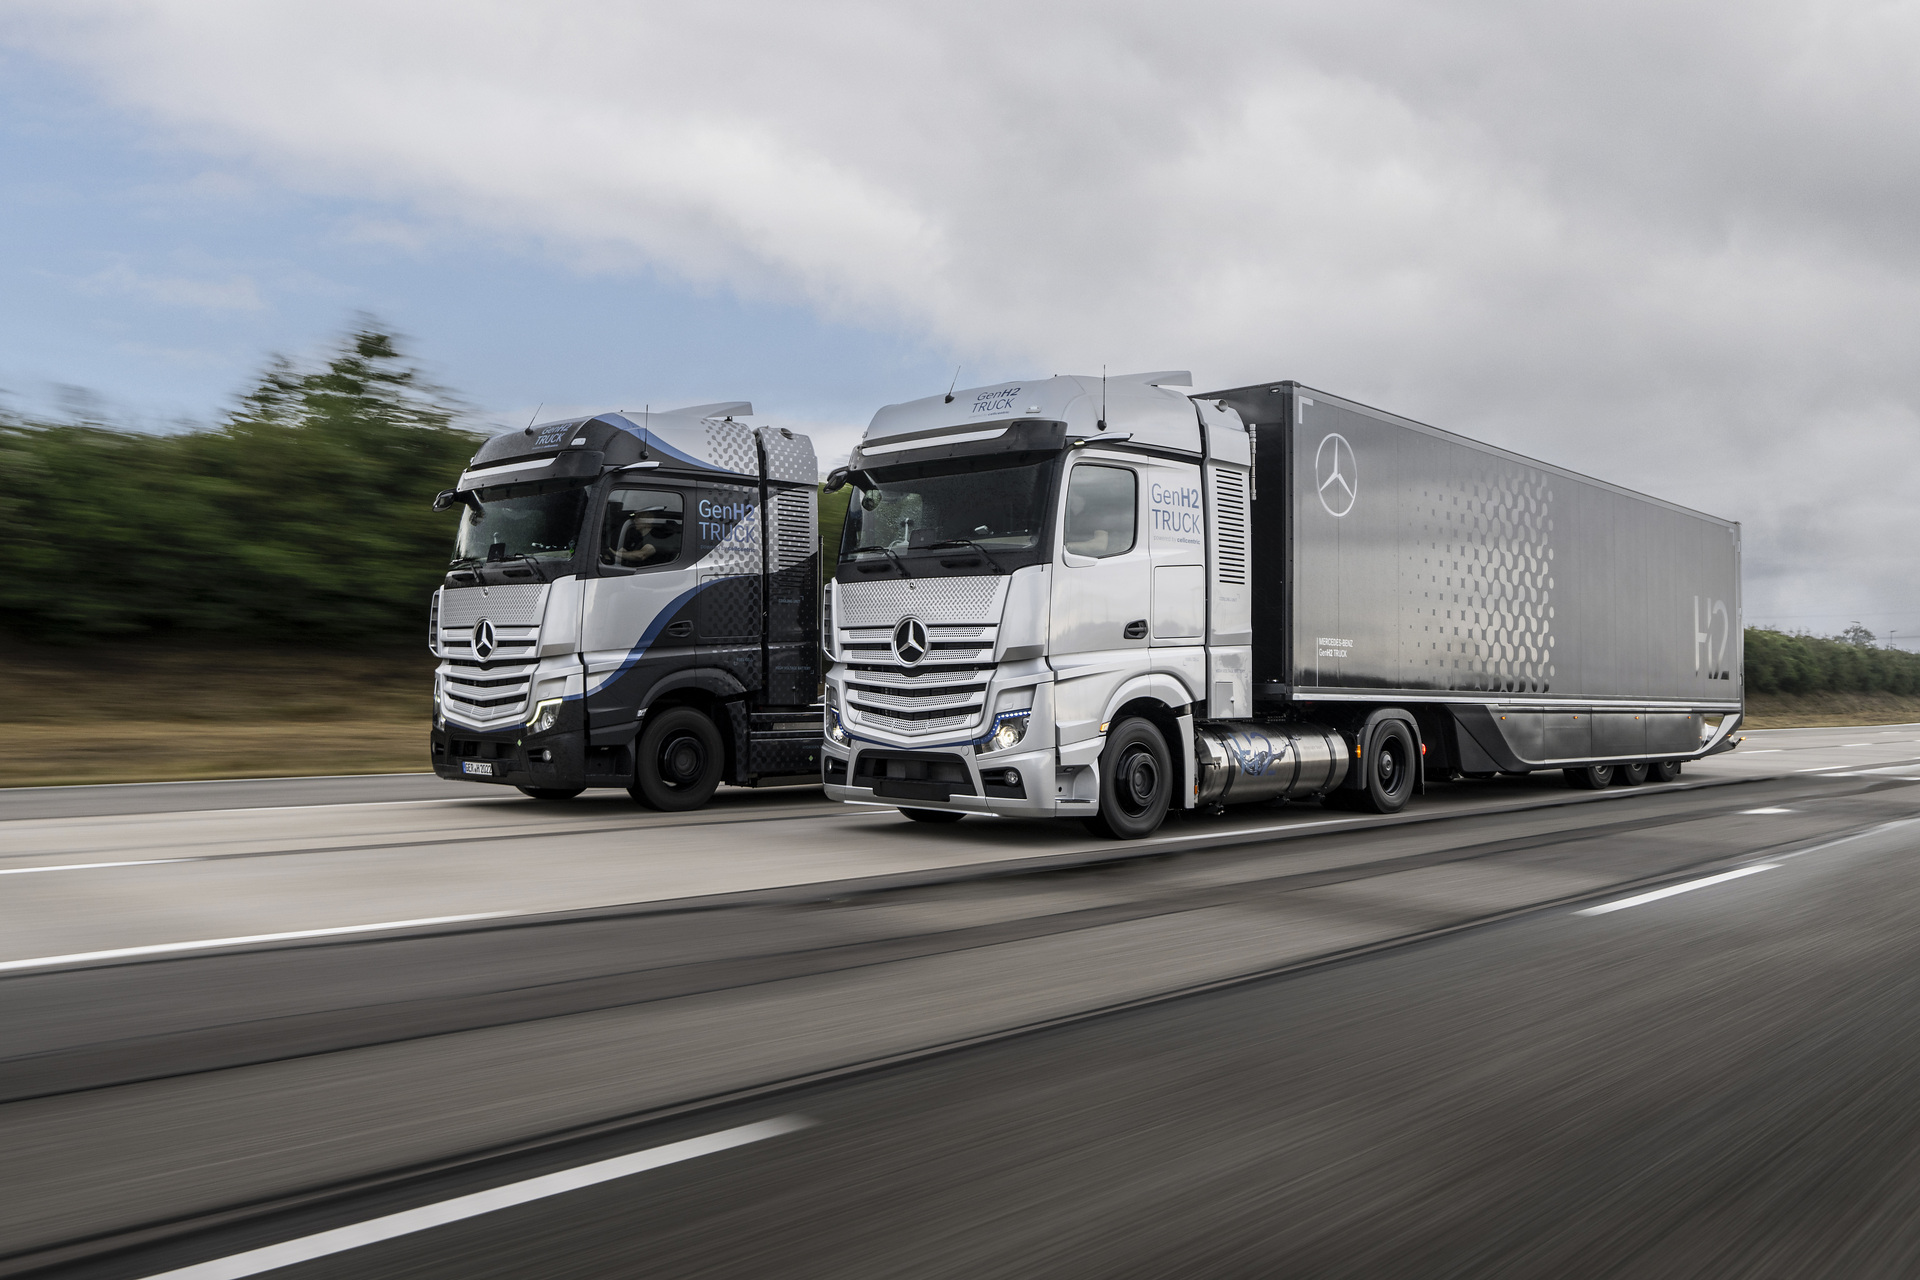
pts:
[633, 601]
[1109, 598]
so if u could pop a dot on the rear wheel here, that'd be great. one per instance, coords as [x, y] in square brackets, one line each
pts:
[1630, 775]
[550, 793]
[1664, 771]
[1595, 777]
[932, 815]
[1390, 771]
[678, 761]
[1136, 782]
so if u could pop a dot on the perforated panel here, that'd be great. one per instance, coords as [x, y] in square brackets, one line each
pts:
[789, 456]
[867, 604]
[518, 606]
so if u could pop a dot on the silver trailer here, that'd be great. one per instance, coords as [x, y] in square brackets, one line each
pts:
[1107, 598]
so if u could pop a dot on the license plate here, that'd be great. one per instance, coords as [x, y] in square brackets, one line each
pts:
[481, 767]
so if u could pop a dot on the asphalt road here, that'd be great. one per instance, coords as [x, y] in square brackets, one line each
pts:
[1281, 1043]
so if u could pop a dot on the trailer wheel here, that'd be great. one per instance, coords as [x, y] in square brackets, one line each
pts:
[1390, 771]
[1595, 777]
[550, 793]
[1630, 775]
[678, 761]
[1664, 771]
[1136, 782]
[932, 815]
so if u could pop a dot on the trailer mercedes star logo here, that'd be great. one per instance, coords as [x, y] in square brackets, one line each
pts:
[483, 639]
[910, 641]
[1335, 475]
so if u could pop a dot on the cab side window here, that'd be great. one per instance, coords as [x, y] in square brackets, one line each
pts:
[1101, 510]
[642, 528]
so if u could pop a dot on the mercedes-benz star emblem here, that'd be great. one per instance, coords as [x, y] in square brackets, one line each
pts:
[1335, 475]
[483, 639]
[910, 641]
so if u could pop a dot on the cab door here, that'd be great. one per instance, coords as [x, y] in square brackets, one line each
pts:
[637, 625]
[1101, 622]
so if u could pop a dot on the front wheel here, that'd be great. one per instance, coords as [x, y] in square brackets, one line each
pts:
[1594, 777]
[1136, 782]
[932, 815]
[678, 761]
[550, 793]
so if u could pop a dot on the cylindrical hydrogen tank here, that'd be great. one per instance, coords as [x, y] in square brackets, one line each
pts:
[1241, 761]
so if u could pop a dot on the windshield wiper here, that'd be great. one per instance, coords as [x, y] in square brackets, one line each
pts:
[885, 552]
[533, 564]
[969, 542]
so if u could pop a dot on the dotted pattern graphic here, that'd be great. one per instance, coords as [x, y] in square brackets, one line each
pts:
[1481, 569]
[730, 447]
[789, 458]
[876, 604]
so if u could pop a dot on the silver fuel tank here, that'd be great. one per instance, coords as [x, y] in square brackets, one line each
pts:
[1240, 761]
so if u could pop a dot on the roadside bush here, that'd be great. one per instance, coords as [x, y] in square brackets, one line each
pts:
[1777, 662]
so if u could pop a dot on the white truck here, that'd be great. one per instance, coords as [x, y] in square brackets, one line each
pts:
[1107, 598]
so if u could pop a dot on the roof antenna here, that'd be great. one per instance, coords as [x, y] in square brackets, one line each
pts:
[535, 414]
[1102, 424]
[952, 385]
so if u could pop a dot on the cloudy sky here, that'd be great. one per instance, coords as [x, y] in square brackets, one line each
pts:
[1673, 245]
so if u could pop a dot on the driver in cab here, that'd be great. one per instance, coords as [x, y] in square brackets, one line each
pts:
[650, 536]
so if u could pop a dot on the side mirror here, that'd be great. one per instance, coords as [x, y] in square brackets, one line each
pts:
[444, 499]
[836, 479]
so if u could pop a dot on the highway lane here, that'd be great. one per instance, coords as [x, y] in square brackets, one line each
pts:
[1720, 1083]
[172, 1089]
[79, 882]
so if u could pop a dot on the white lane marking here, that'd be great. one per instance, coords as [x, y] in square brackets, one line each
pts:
[91, 866]
[204, 944]
[340, 1239]
[1766, 811]
[1764, 751]
[1672, 889]
[1858, 835]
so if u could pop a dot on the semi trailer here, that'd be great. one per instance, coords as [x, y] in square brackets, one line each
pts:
[633, 601]
[1109, 598]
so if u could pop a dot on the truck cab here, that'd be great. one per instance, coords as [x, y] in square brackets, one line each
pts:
[632, 601]
[1031, 608]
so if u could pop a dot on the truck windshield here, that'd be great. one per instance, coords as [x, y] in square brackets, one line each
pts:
[539, 521]
[998, 511]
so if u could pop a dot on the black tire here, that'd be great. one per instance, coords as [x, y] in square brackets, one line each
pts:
[1390, 761]
[1630, 775]
[678, 761]
[1595, 777]
[932, 815]
[1664, 771]
[550, 793]
[1136, 782]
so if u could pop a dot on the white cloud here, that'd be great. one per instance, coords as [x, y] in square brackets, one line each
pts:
[233, 293]
[1668, 245]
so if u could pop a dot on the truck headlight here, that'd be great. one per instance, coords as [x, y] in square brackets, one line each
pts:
[544, 716]
[1009, 727]
[835, 734]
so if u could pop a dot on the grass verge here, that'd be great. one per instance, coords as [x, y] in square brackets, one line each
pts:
[1816, 710]
[153, 713]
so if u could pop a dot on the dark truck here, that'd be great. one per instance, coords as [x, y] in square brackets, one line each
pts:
[633, 601]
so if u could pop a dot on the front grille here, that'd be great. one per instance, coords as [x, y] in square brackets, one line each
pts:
[490, 693]
[944, 691]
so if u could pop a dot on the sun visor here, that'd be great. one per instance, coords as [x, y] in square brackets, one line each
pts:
[573, 465]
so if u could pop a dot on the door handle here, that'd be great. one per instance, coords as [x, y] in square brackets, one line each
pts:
[1136, 630]
[681, 628]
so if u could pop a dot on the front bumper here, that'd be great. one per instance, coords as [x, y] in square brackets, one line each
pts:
[913, 778]
[556, 760]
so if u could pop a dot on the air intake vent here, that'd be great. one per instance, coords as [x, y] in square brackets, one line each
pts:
[433, 625]
[793, 527]
[1230, 526]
